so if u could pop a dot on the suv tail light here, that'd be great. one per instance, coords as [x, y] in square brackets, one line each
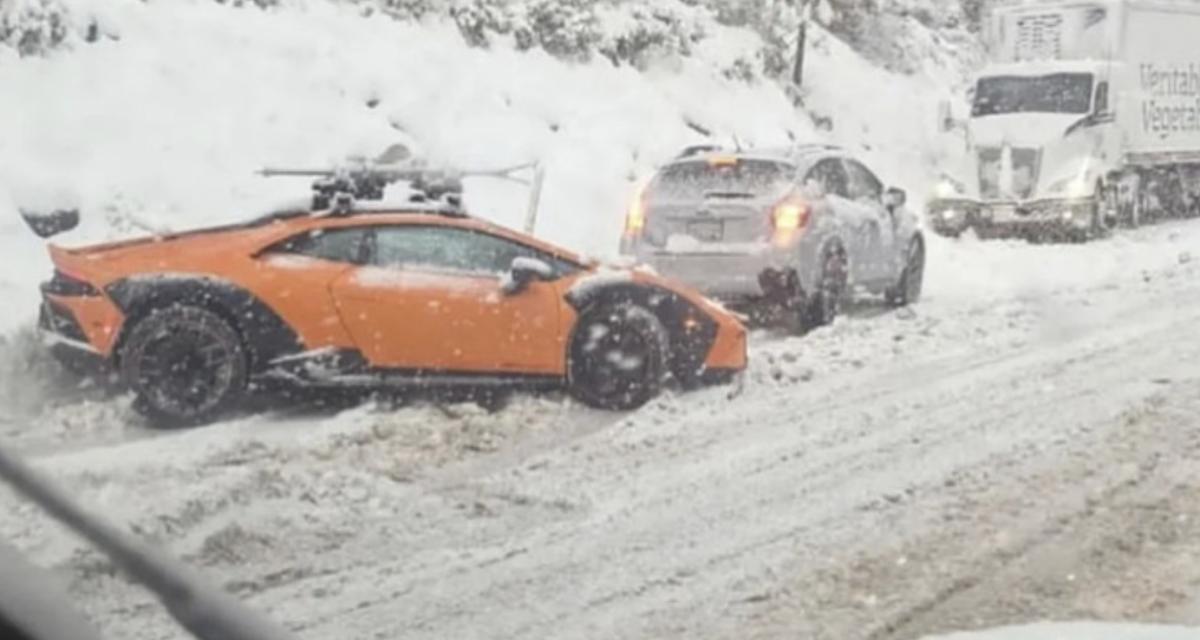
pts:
[788, 219]
[635, 220]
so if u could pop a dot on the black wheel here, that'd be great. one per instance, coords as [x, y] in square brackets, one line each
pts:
[618, 357]
[826, 300]
[1131, 204]
[912, 278]
[1106, 211]
[185, 364]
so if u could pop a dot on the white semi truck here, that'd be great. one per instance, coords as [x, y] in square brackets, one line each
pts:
[1086, 117]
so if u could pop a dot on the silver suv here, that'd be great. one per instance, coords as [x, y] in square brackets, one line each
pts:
[786, 234]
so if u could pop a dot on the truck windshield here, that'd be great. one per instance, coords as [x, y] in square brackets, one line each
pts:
[741, 178]
[1055, 93]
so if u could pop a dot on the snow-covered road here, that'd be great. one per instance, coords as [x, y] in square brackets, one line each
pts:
[999, 456]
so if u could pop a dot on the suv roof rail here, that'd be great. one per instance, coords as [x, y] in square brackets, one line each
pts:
[697, 149]
[816, 145]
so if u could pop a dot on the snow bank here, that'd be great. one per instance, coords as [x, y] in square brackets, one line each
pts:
[1079, 631]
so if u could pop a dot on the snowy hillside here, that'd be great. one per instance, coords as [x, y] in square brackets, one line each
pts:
[155, 125]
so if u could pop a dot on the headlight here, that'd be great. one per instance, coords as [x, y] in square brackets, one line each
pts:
[1072, 187]
[951, 216]
[948, 188]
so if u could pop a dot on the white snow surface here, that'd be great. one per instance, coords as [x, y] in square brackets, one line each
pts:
[1080, 631]
[1019, 446]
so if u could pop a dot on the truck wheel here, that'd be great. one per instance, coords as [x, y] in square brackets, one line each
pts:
[617, 358]
[912, 278]
[826, 300]
[1131, 204]
[185, 364]
[1106, 210]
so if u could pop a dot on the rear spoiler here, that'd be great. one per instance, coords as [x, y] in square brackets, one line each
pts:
[47, 224]
[204, 610]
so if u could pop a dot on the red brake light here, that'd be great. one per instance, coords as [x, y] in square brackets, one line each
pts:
[635, 220]
[788, 218]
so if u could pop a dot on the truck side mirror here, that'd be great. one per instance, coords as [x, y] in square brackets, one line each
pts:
[895, 198]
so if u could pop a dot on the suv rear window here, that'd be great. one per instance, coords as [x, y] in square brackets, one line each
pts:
[745, 178]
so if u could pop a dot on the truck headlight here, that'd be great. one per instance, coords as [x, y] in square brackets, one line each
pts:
[948, 188]
[1072, 187]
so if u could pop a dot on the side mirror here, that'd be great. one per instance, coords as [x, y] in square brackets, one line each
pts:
[523, 272]
[895, 198]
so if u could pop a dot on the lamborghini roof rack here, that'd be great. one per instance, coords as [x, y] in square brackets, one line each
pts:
[361, 186]
[339, 190]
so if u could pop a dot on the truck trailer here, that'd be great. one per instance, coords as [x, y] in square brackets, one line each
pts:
[1086, 117]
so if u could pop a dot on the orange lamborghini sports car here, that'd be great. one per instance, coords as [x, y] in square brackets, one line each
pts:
[415, 297]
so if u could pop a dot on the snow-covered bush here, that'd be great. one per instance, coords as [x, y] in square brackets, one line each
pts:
[32, 27]
[631, 32]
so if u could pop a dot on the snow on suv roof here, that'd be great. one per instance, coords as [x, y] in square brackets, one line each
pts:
[780, 154]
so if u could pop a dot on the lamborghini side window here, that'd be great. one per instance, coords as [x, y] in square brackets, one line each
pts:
[424, 248]
[334, 245]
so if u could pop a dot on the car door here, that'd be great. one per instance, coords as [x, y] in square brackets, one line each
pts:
[431, 300]
[839, 216]
[879, 230]
[294, 277]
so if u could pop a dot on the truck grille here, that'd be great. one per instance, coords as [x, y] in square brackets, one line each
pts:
[1026, 163]
[1039, 36]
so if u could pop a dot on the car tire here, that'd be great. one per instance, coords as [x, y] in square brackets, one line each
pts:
[826, 300]
[912, 277]
[617, 359]
[186, 366]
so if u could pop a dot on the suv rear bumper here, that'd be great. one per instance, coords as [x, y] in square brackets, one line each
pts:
[725, 276]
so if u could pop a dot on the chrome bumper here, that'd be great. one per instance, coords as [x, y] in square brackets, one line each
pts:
[953, 217]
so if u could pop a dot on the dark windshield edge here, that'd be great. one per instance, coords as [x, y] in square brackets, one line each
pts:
[205, 611]
[739, 178]
[1067, 93]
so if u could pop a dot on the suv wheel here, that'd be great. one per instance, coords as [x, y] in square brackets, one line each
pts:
[912, 278]
[826, 301]
[618, 357]
[185, 364]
